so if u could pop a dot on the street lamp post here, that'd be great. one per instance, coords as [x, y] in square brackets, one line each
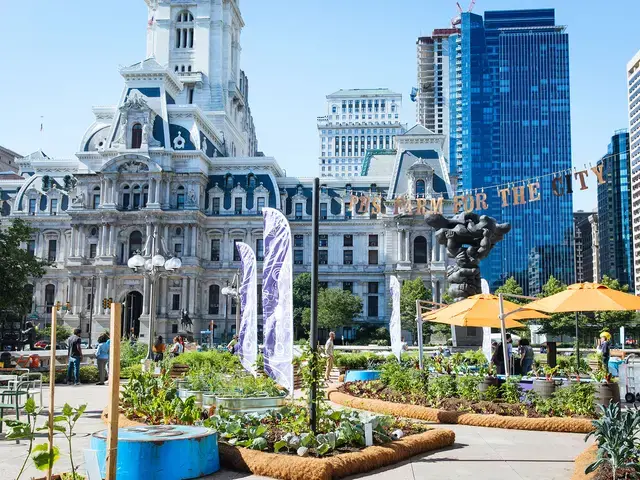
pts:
[233, 291]
[152, 264]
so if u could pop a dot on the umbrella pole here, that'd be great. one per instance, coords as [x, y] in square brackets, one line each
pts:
[577, 343]
[419, 332]
[503, 331]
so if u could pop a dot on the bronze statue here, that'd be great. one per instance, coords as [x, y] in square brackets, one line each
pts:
[469, 238]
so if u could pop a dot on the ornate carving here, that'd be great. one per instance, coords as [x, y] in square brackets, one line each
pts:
[78, 200]
[179, 141]
[192, 200]
[133, 166]
[469, 238]
[135, 100]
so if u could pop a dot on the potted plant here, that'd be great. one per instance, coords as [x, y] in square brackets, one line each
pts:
[607, 390]
[489, 378]
[543, 383]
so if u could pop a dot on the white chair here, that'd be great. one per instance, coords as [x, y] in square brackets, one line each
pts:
[32, 382]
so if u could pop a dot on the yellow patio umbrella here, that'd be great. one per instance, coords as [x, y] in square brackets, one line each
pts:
[482, 310]
[586, 297]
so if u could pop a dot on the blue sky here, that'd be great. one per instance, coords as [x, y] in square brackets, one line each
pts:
[59, 61]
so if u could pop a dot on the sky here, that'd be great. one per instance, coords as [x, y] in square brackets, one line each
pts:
[61, 58]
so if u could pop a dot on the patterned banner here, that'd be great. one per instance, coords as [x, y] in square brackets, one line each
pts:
[486, 332]
[247, 346]
[395, 325]
[277, 298]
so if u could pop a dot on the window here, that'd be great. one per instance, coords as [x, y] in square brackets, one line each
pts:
[175, 301]
[298, 211]
[347, 210]
[214, 300]
[347, 257]
[372, 300]
[259, 250]
[261, 204]
[373, 257]
[49, 296]
[53, 210]
[298, 257]
[184, 32]
[32, 206]
[372, 288]
[238, 205]
[216, 206]
[348, 241]
[136, 135]
[180, 198]
[323, 241]
[420, 250]
[177, 249]
[53, 246]
[31, 247]
[190, 92]
[420, 188]
[236, 253]
[93, 248]
[96, 198]
[174, 328]
[347, 287]
[259, 299]
[323, 257]
[298, 240]
[215, 249]
[373, 240]
[323, 211]
[135, 243]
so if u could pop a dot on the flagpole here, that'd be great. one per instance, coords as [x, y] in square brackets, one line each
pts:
[41, 130]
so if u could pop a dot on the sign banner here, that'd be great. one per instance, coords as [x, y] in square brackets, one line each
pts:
[395, 325]
[247, 347]
[486, 331]
[277, 298]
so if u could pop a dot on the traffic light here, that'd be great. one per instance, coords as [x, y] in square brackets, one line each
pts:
[104, 303]
[110, 302]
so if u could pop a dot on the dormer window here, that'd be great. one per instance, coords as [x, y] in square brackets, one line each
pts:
[420, 188]
[53, 207]
[136, 136]
[32, 206]
[184, 30]
[95, 201]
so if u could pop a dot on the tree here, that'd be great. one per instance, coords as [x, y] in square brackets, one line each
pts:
[410, 292]
[18, 268]
[336, 307]
[301, 297]
[612, 320]
[512, 287]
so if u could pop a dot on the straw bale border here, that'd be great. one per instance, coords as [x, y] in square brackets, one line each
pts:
[290, 467]
[582, 461]
[546, 424]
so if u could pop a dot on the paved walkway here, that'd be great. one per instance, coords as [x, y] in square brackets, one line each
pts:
[479, 453]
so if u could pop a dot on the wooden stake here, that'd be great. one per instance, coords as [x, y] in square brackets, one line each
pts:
[52, 383]
[114, 390]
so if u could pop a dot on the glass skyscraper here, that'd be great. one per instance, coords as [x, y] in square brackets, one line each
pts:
[614, 211]
[510, 120]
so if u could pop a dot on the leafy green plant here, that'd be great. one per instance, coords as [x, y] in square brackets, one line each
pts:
[491, 394]
[511, 390]
[131, 353]
[441, 387]
[616, 432]
[468, 387]
[64, 424]
[24, 430]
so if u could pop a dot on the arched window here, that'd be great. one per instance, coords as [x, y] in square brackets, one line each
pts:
[420, 188]
[251, 183]
[228, 181]
[136, 136]
[184, 30]
[214, 300]
[49, 296]
[135, 243]
[126, 197]
[420, 250]
[145, 195]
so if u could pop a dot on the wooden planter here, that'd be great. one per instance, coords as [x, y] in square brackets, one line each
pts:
[544, 387]
[607, 393]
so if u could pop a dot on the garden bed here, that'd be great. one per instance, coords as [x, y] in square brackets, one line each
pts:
[439, 415]
[582, 461]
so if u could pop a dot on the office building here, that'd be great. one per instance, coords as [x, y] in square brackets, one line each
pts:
[357, 121]
[509, 121]
[8, 160]
[614, 211]
[586, 246]
[633, 85]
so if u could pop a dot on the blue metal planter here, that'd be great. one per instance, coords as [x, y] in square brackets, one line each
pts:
[361, 375]
[167, 452]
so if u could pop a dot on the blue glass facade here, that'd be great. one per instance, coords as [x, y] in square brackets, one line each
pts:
[614, 212]
[510, 119]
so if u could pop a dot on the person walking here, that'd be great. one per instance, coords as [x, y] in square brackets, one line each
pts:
[605, 349]
[526, 356]
[75, 357]
[232, 344]
[328, 350]
[29, 335]
[102, 357]
[158, 349]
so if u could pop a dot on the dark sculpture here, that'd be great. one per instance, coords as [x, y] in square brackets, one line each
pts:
[469, 238]
[185, 320]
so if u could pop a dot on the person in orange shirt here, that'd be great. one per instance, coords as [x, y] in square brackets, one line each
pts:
[158, 349]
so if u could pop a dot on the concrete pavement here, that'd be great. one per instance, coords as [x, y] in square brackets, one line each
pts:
[479, 453]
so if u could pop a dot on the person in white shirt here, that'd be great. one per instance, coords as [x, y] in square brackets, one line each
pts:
[328, 350]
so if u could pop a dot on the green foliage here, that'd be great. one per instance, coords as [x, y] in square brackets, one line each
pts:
[88, 374]
[18, 268]
[132, 353]
[358, 361]
[336, 307]
[616, 433]
[24, 430]
[491, 394]
[62, 333]
[511, 391]
[401, 378]
[442, 387]
[559, 323]
[127, 372]
[237, 385]
[410, 292]
[511, 286]
[212, 360]
[301, 297]
[468, 387]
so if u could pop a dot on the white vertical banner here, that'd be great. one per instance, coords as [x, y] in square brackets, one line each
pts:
[247, 347]
[395, 324]
[486, 331]
[277, 298]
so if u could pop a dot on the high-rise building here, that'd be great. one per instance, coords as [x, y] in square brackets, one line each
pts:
[357, 121]
[8, 160]
[586, 246]
[509, 121]
[633, 83]
[432, 107]
[614, 210]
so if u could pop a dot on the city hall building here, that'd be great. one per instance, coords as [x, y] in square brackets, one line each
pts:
[176, 160]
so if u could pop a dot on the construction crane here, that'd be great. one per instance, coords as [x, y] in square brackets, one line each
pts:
[457, 20]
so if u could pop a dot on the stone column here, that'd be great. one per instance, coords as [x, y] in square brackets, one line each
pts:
[164, 297]
[157, 194]
[193, 287]
[111, 247]
[225, 247]
[145, 291]
[114, 191]
[407, 245]
[434, 246]
[183, 297]
[72, 247]
[82, 239]
[194, 240]
[399, 246]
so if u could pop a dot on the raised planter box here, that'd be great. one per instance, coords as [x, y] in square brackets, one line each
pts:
[250, 404]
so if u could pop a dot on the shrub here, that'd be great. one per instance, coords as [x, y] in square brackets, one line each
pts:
[402, 378]
[62, 333]
[132, 353]
[468, 387]
[442, 387]
[358, 361]
[88, 374]
[511, 390]
[221, 362]
[127, 372]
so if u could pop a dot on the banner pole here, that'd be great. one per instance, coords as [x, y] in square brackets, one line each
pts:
[313, 337]
[114, 390]
[52, 385]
